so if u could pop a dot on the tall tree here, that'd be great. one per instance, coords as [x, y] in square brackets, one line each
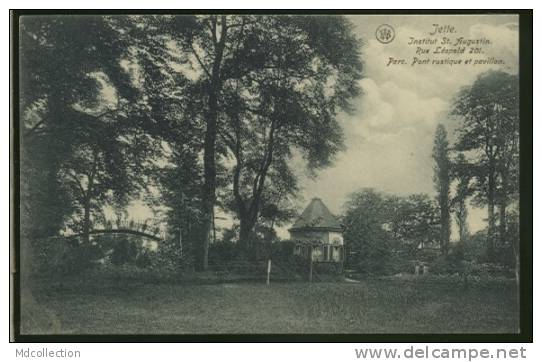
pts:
[485, 107]
[277, 203]
[288, 89]
[207, 43]
[179, 179]
[508, 155]
[62, 60]
[179, 61]
[365, 234]
[462, 174]
[104, 169]
[199, 46]
[441, 178]
[257, 79]
[378, 227]
[413, 220]
[56, 95]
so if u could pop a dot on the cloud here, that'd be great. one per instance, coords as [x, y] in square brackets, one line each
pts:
[389, 139]
[390, 109]
[505, 43]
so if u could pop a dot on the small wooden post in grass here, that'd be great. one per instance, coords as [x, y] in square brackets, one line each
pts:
[310, 264]
[268, 270]
[425, 269]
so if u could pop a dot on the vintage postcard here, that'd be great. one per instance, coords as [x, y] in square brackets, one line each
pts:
[281, 174]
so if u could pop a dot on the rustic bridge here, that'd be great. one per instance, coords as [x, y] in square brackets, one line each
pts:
[120, 231]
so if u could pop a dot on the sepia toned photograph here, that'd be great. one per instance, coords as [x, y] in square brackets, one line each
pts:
[269, 174]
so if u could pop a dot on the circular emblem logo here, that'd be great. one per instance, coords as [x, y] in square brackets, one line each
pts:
[385, 33]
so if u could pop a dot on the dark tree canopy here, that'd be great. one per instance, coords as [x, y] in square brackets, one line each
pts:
[286, 94]
[257, 87]
[379, 228]
[78, 114]
[489, 137]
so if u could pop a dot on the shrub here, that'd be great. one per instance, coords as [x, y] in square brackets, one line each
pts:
[124, 252]
[284, 252]
[222, 252]
[328, 268]
[170, 258]
[504, 255]
[474, 247]
[60, 255]
[399, 264]
[143, 259]
[447, 264]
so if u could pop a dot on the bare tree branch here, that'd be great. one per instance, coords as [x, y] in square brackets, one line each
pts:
[199, 61]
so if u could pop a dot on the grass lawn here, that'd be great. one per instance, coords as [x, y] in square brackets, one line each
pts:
[131, 306]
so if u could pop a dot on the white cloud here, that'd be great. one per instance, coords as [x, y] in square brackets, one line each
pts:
[389, 109]
[390, 137]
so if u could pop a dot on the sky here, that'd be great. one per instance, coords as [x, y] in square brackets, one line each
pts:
[389, 136]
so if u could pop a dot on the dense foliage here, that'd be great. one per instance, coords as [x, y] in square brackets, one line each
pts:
[383, 232]
[194, 113]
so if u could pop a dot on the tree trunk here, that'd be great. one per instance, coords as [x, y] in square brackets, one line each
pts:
[87, 201]
[502, 223]
[491, 212]
[87, 204]
[248, 214]
[503, 201]
[203, 260]
[86, 222]
[181, 239]
[462, 223]
[209, 186]
[246, 228]
[517, 268]
[209, 146]
[245, 231]
[445, 225]
[213, 221]
[516, 249]
[35, 317]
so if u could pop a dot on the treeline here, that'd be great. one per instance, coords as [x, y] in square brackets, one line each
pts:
[479, 167]
[382, 232]
[191, 113]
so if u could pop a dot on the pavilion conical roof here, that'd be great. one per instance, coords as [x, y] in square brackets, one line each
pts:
[316, 216]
